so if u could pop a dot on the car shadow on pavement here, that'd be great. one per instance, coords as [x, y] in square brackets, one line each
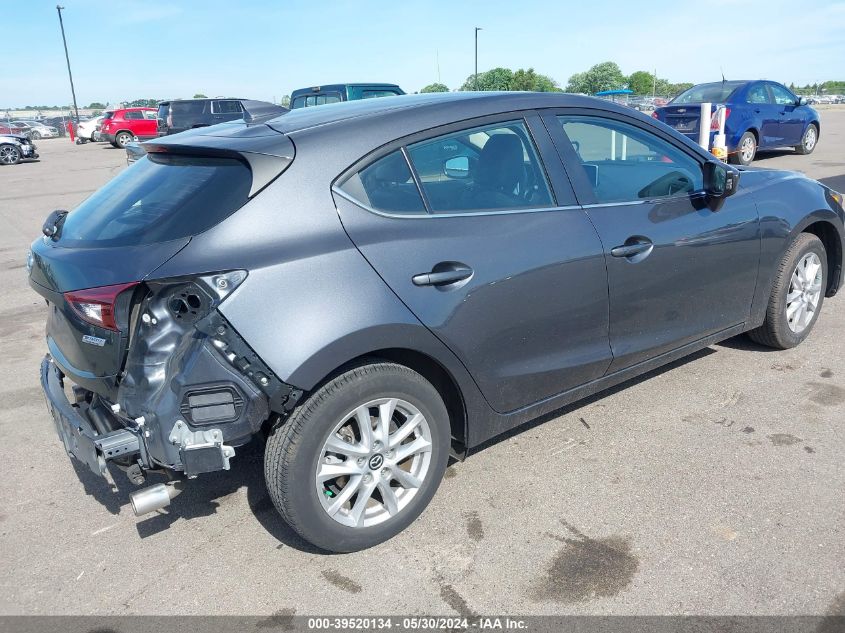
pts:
[202, 497]
[594, 398]
[744, 344]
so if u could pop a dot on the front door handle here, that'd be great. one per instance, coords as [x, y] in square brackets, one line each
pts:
[442, 275]
[630, 250]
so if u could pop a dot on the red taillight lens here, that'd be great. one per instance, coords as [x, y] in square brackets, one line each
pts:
[96, 305]
[654, 115]
[714, 120]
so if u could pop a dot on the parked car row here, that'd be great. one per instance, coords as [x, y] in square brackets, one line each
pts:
[33, 130]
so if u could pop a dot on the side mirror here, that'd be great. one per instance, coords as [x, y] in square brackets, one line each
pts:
[720, 180]
[802, 101]
[457, 167]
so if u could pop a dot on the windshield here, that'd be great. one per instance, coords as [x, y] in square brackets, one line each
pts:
[708, 93]
[161, 197]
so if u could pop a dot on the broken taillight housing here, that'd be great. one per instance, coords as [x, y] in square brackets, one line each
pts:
[97, 305]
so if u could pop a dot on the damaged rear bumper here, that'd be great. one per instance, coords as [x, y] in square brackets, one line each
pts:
[77, 432]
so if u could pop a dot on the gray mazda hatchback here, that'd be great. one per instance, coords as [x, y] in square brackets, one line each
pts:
[374, 286]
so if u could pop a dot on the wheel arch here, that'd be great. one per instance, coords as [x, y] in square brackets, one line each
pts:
[429, 368]
[833, 244]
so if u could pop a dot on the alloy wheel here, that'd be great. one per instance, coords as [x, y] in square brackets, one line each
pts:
[9, 155]
[805, 289]
[373, 462]
[747, 149]
[810, 139]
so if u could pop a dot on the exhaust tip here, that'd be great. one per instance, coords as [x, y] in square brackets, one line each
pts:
[151, 499]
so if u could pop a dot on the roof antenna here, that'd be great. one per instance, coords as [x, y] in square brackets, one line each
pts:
[723, 74]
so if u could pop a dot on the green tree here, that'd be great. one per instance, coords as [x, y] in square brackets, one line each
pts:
[495, 79]
[96, 105]
[532, 81]
[603, 76]
[200, 95]
[641, 82]
[285, 102]
[435, 87]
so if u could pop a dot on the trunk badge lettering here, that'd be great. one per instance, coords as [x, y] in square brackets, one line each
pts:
[93, 340]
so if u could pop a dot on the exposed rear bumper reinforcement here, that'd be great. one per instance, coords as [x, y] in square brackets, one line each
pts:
[75, 430]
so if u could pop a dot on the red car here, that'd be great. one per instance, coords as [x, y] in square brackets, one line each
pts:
[119, 127]
[11, 128]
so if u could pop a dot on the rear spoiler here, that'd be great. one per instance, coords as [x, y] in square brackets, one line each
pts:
[260, 111]
[267, 152]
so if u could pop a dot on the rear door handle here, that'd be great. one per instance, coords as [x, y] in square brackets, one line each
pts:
[440, 277]
[629, 250]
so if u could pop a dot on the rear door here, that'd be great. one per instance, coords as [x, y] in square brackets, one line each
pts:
[678, 270]
[226, 110]
[494, 256]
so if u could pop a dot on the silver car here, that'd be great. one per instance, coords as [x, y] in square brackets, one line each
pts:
[37, 130]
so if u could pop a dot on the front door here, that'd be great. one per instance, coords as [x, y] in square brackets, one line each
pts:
[790, 113]
[678, 270]
[494, 257]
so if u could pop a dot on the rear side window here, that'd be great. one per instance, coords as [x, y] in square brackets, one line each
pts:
[481, 168]
[161, 197]
[132, 115]
[386, 185]
[373, 94]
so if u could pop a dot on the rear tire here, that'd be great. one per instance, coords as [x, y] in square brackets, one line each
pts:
[746, 149]
[326, 432]
[786, 324]
[36, 136]
[122, 139]
[809, 140]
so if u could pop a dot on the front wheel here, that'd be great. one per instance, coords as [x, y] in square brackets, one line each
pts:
[797, 295]
[361, 458]
[746, 149]
[9, 155]
[808, 141]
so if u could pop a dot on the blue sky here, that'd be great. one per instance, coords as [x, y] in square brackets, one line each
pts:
[127, 49]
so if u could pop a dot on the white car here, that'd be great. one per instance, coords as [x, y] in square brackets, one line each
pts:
[88, 130]
[37, 130]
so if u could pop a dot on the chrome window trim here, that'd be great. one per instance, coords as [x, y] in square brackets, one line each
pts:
[463, 214]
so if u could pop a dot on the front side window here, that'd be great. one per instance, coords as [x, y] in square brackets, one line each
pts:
[150, 114]
[386, 185]
[782, 95]
[625, 163]
[758, 94]
[481, 168]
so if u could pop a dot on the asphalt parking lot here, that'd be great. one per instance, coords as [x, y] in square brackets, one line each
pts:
[714, 486]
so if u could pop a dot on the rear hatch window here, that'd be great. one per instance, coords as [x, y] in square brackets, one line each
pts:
[161, 197]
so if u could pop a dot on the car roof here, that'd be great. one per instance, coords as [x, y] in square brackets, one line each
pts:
[161, 103]
[323, 87]
[482, 102]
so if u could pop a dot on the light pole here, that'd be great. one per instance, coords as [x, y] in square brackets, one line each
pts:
[475, 79]
[67, 57]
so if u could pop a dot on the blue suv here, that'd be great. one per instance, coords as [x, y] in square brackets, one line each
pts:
[760, 115]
